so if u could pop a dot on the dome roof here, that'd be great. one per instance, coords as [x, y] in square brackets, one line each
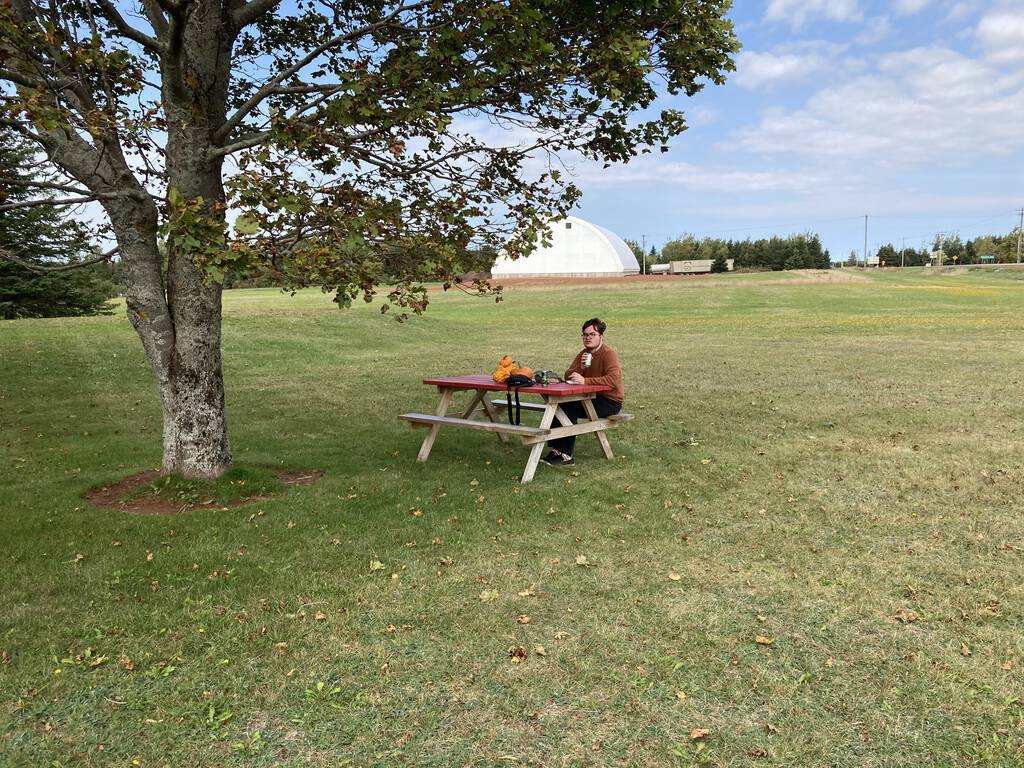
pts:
[578, 249]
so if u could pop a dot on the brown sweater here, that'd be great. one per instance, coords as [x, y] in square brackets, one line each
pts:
[604, 369]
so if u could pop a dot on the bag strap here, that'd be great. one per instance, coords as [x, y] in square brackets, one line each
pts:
[508, 401]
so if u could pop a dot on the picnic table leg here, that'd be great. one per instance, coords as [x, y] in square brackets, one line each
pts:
[472, 406]
[492, 414]
[588, 406]
[441, 410]
[538, 448]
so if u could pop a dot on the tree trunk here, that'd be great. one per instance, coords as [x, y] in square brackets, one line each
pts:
[179, 326]
[195, 419]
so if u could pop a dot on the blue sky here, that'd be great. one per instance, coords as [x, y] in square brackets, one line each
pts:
[910, 111]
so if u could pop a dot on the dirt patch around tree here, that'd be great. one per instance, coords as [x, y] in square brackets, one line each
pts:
[124, 496]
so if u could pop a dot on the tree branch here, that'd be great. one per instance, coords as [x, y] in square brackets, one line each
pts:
[155, 15]
[17, 182]
[48, 201]
[244, 142]
[111, 14]
[39, 269]
[27, 81]
[269, 87]
[252, 10]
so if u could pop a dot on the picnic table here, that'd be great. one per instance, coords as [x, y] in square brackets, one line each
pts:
[491, 415]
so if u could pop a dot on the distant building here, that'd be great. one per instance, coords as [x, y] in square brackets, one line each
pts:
[578, 249]
[695, 266]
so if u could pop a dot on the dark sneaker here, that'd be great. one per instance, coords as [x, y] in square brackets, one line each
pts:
[558, 460]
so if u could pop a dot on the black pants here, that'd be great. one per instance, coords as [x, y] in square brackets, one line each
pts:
[603, 405]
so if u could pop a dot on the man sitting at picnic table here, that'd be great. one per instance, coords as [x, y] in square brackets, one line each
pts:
[596, 363]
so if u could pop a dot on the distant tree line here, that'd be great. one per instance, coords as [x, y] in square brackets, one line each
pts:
[801, 251]
[985, 249]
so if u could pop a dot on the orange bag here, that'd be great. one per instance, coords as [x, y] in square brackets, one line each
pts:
[504, 369]
[524, 371]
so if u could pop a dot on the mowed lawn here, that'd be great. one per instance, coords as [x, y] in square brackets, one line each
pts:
[808, 550]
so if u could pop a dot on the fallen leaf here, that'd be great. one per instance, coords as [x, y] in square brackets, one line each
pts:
[989, 608]
[562, 635]
[376, 565]
[320, 616]
[517, 654]
[488, 595]
[1006, 665]
[390, 628]
[673, 576]
[528, 592]
[667, 503]
[699, 733]
[905, 616]
[539, 650]
[680, 694]
[964, 650]
[582, 560]
[417, 512]
[523, 619]
[830, 662]
[762, 640]
[705, 461]
[281, 648]
[149, 557]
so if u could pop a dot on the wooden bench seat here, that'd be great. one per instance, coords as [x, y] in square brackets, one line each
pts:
[540, 407]
[429, 419]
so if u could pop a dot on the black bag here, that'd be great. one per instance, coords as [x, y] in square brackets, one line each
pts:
[512, 384]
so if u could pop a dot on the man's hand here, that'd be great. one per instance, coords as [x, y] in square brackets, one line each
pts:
[575, 378]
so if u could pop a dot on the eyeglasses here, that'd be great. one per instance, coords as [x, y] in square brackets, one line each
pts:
[590, 335]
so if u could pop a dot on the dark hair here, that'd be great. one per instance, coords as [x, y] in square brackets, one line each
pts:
[598, 324]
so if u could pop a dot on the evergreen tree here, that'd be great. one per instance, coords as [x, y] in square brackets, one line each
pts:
[720, 264]
[40, 236]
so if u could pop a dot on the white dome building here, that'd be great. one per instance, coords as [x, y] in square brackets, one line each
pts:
[578, 249]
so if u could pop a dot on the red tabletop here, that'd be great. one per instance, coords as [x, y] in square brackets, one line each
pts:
[485, 382]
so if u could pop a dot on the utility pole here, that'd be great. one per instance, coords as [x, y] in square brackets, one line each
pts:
[939, 264]
[1020, 228]
[643, 253]
[865, 241]
[903, 247]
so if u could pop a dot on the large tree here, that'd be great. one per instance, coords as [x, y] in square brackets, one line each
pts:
[354, 143]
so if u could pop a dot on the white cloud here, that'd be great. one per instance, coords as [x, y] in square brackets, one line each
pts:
[700, 116]
[1002, 35]
[876, 29]
[653, 170]
[764, 70]
[908, 7]
[960, 11]
[798, 12]
[918, 105]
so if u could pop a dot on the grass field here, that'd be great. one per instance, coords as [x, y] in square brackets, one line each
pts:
[834, 467]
